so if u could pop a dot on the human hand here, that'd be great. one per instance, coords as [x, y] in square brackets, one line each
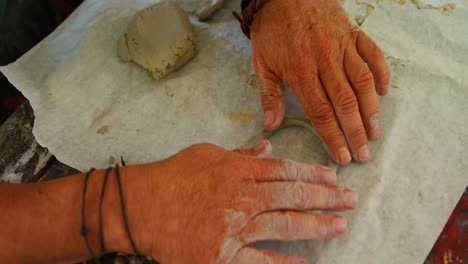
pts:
[314, 47]
[208, 205]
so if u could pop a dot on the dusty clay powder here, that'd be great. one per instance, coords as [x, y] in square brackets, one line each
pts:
[159, 38]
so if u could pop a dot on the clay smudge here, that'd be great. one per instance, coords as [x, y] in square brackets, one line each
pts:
[103, 130]
[445, 9]
[168, 91]
[401, 2]
[395, 82]
[242, 71]
[253, 82]
[243, 118]
[361, 18]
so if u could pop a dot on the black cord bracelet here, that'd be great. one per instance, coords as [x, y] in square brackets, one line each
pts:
[122, 206]
[101, 234]
[83, 230]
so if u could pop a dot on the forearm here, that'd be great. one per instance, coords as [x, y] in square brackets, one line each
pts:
[41, 223]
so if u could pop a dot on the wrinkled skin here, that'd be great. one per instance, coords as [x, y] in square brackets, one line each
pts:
[336, 71]
[207, 205]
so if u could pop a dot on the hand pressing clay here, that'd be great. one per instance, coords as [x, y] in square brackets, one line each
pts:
[207, 8]
[159, 38]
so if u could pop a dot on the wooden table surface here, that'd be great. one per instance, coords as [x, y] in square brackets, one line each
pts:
[22, 159]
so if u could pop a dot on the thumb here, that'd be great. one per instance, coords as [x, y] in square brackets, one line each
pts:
[262, 150]
[272, 94]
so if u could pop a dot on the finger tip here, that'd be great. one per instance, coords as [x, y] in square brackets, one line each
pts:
[267, 150]
[343, 163]
[374, 134]
[340, 225]
[343, 156]
[362, 154]
[263, 149]
[383, 91]
[272, 124]
[352, 199]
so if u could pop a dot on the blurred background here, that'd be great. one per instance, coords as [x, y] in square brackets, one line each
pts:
[23, 24]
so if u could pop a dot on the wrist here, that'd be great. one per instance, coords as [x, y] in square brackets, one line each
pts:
[137, 183]
[114, 233]
[115, 236]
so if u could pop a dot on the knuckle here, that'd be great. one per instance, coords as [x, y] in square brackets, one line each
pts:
[364, 82]
[271, 92]
[357, 135]
[302, 196]
[325, 50]
[347, 103]
[322, 114]
[323, 227]
[313, 172]
[331, 198]
[290, 226]
[303, 69]
[216, 154]
[329, 56]
[327, 64]
[252, 171]
[205, 147]
[291, 169]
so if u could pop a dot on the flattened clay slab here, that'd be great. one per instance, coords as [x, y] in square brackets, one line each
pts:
[159, 39]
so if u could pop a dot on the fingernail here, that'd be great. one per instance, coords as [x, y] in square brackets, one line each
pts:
[350, 199]
[264, 149]
[363, 153]
[268, 118]
[343, 156]
[374, 123]
[340, 224]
